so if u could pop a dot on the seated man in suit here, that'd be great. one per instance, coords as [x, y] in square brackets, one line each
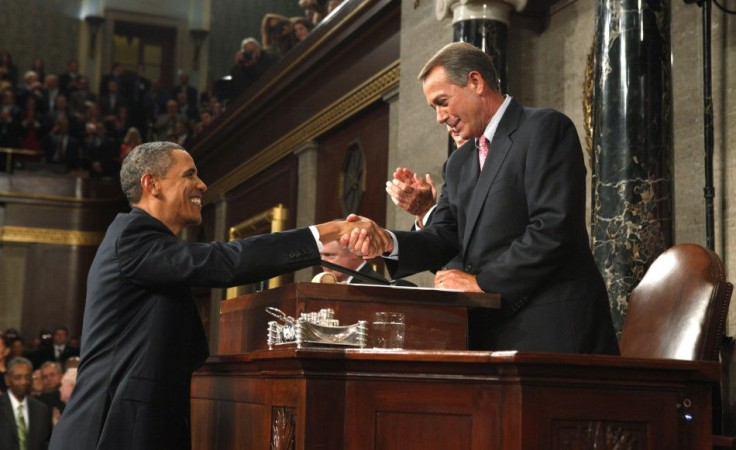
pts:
[25, 423]
[510, 219]
[336, 254]
[142, 336]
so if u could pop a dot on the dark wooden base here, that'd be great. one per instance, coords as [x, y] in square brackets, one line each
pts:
[365, 399]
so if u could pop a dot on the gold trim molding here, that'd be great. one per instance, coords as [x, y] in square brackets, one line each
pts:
[271, 220]
[348, 105]
[29, 235]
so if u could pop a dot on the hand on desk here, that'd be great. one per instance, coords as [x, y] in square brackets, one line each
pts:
[456, 279]
[366, 239]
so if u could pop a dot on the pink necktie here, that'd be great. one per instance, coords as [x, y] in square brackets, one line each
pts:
[482, 150]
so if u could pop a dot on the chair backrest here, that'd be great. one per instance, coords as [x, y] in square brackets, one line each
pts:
[679, 309]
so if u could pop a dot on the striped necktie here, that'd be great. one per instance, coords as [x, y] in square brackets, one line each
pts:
[22, 430]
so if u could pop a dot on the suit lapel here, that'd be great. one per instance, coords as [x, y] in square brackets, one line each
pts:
[6, 409]
[499, 149]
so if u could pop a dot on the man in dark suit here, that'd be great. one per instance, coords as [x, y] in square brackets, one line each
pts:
[142, 336]
[334, 253]
[22, 418]
[59, 349]
[513, 223]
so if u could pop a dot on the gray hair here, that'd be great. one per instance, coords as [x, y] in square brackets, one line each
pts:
[153, 158]
[50, 364]
[18, 360]
[249, 40]
[460, 58]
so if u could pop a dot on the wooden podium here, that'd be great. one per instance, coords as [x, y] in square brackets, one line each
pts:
[355, 399]
[435, 319]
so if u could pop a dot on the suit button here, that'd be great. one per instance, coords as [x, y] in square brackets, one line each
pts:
[469, 268]
[292, 254]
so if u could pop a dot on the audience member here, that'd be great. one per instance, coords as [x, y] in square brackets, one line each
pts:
[334, 253]
[111, 101]
[186, 109]
[38, 66]
[25, 423]
[102, 152]
[183, 86]
[68, 81]
[8, 70]
[59, 350]
[37, 383]
[17, 346]
[10, 119]
[31, 131]
[250, 63]
[138, 91]
[276, 35]
[165, 125]
[4, 352]
[300, 28]
[314, 10]
[60, 147]
[131, 140]
[155, 101]
[51, 92]
[182, 135]
[205, 119]
[116, 75]
[51, 374]
[79, 98]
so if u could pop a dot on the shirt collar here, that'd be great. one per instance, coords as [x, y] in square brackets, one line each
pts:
[490, 130]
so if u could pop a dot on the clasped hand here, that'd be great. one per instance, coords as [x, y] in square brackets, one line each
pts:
[366, 238]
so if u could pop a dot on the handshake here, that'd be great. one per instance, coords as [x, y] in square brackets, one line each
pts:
[360, 235]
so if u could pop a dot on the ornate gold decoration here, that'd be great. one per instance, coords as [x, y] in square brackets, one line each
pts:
[333, 115]
[588, 89]
[8, 196]
[10, 233]
[269, 221]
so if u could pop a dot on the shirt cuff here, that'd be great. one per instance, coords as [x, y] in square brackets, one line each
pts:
[315, 233]
[424, 218]
[394, 255]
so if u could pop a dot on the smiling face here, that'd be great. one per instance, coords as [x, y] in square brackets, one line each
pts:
[464, 109]
[179, 193]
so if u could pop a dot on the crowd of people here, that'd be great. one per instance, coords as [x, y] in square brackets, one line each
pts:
[40, 375]
[74, 127]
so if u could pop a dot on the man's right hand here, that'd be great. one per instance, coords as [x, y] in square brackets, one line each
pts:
[366, 239]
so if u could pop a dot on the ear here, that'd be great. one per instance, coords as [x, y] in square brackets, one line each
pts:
[149, 184]
[476, 82]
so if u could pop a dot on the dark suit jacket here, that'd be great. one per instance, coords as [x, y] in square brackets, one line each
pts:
[39, 425]
[519, 226]
[142, 336]
[46, 353]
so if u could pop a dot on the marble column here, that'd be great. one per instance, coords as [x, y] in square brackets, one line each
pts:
[306, 152]
[483, 23]
[632, 143]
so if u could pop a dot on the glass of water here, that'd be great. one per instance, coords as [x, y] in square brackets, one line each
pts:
[388, 330]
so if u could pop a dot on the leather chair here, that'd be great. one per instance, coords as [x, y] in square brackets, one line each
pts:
[679, 311]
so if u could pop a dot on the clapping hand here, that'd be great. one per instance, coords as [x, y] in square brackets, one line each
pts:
[411, 192]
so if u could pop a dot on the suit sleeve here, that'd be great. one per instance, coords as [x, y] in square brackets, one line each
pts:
[554, 183]
[149, 255]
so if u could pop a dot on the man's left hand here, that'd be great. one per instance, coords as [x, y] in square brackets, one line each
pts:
[456, 279]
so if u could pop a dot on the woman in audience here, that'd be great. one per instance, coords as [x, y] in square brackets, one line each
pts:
[300, 28]
[131, 140]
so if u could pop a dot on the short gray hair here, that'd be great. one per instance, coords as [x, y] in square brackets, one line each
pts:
[460, 58]
[18, 360]
[53, 364]
[152, 157]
